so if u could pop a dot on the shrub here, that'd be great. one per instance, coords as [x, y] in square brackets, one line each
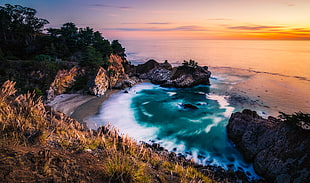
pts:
[298, 119]
[190, 63]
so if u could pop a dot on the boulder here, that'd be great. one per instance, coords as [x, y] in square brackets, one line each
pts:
[279, 152]
[125, 82]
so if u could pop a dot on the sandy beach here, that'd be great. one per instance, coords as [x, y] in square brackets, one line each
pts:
[79, 106]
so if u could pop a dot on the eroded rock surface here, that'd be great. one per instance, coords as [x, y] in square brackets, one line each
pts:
[278, 151]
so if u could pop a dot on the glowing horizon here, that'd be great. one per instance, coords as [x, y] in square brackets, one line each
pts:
[179, 19]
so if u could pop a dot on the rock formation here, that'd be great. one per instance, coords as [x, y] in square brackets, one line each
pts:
[167, 76]
[100, 84]
[63, 80]
[115, 69]
[120, 74]
[279, 152]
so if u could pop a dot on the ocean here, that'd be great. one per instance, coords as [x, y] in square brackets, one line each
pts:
[266, 76]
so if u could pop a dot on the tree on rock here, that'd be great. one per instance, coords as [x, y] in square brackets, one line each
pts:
[118, 49]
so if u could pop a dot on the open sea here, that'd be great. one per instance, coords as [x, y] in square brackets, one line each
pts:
[267, 76]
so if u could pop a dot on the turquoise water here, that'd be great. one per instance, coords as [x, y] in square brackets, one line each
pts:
[151, 113]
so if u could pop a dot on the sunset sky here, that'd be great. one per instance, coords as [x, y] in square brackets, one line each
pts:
[180, 19]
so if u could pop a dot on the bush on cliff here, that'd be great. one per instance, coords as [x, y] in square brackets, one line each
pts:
[298, 119]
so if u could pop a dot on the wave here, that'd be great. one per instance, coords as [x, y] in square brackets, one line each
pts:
[119, 111]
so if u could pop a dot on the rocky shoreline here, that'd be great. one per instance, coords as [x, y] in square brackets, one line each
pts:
[252, 134]
[128, 75]
[279, 151]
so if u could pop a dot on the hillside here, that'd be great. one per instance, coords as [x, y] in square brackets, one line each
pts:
[48, 146]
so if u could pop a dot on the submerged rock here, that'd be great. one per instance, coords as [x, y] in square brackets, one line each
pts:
[278, 151]
[189, 106]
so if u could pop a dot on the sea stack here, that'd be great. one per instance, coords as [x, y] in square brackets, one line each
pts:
[187, 75]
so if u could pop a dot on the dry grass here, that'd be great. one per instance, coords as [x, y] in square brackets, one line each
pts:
[25, 121]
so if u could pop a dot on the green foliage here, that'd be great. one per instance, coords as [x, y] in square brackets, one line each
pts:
[299, 119]
[68, 40]
[19, 23]
[190, 63]
[80, 83]
[18, 28]
[38, 91]
[22, 37]
[91, 58]
[118, 49]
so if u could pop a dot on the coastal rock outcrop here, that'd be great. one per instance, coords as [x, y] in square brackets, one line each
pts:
[63, 80]
[100, 84]
[279, 152]
[185, 76]
[115, 69]
[179, 77]
[120, 74]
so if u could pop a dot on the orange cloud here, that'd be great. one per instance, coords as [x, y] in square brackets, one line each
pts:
[268, 32]
[163, 30]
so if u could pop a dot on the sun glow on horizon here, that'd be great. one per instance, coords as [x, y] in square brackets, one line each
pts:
[180, 19]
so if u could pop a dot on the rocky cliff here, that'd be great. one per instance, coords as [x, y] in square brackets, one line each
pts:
[113, 77]
[120, 74]
[64, 79]
[95, 82]
[279, 152]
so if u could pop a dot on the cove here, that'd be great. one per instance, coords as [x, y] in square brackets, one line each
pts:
[155, 114]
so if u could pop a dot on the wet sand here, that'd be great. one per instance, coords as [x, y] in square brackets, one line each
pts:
[79, 106]
[91, 107]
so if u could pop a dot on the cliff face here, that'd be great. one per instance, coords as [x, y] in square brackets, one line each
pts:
[278, 151]
[115, 69]
[96, 82]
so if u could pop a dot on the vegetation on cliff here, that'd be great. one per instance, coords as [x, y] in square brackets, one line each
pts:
[37, 144]
[22, 37]
[32, 57]
[298, 119]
